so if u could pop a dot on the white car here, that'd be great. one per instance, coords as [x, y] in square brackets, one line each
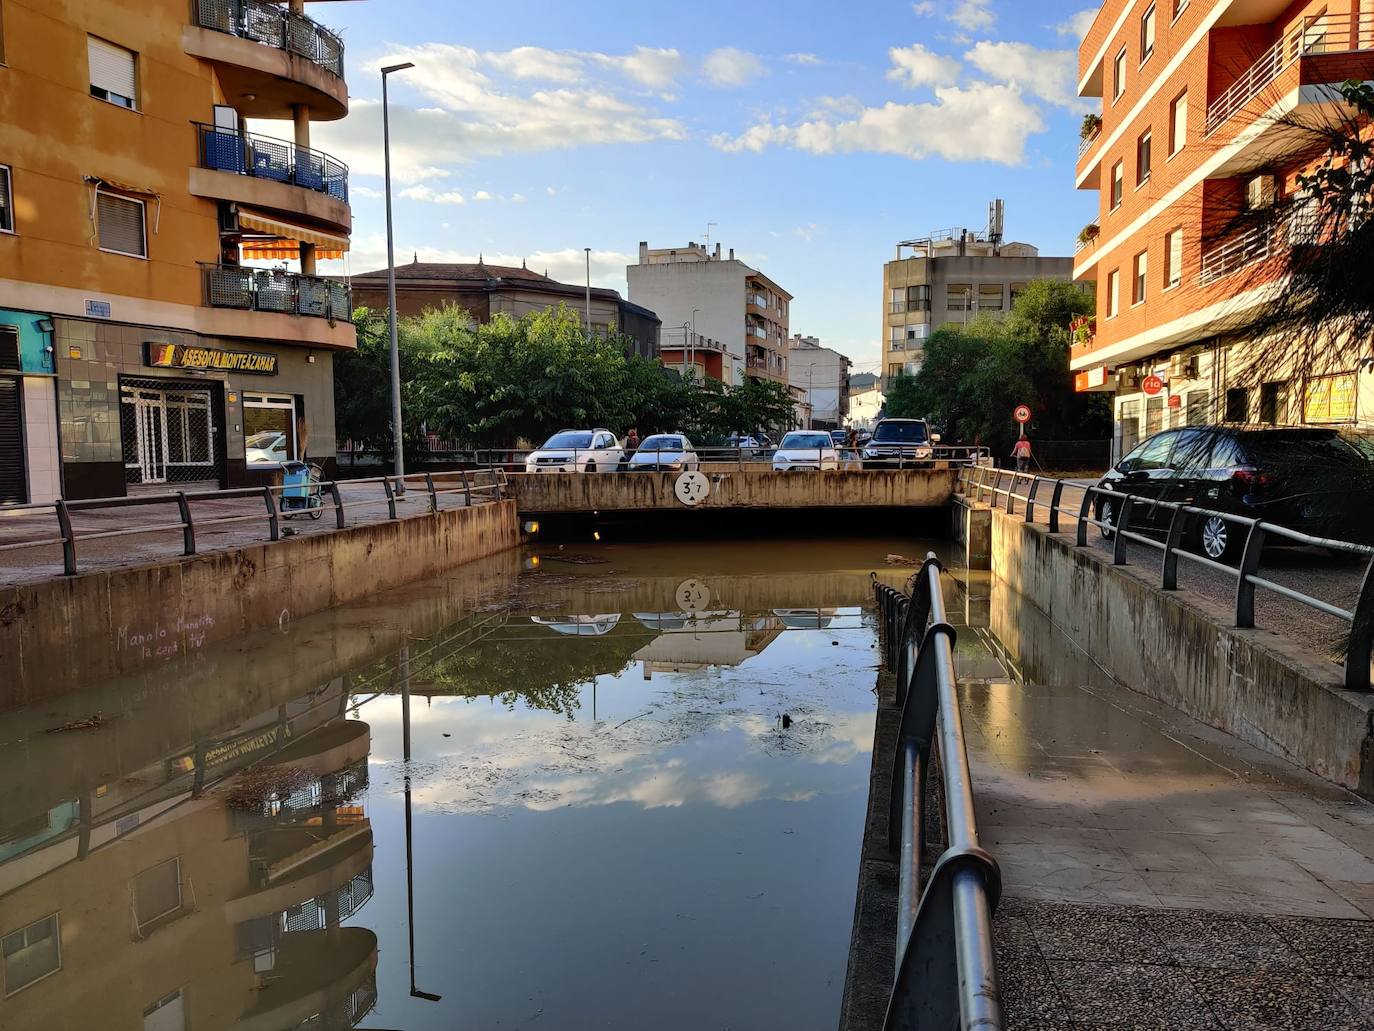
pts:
[664, 452]
[805, 449]
[580, 626]
[577, 451]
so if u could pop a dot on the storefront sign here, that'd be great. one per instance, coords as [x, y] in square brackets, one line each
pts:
[1331, 399]
[181, 356]
[98, 309]
[1152, 385]
[1175, 400]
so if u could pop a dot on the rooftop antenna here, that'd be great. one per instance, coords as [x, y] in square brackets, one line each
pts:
[708, 234]
[997, 217]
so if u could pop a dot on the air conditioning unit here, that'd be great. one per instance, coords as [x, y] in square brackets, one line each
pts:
[1183, 366]
[1128, 380]
[1260, 193]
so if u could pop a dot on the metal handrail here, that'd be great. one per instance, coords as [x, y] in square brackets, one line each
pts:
[394, 491]
[272, 25]
[265, 157]
[945, 975]
[1259, 243]
[276, 290]
[1086, 142]
[516, 459]
[1360, 643]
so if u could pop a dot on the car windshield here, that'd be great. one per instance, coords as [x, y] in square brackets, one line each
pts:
[661, 443]
[569, 439]
[901, 433]
[795, 441]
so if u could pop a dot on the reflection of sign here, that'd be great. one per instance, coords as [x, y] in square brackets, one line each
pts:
[1022, 414]
[1152, 385]
[181, 356]
[233, 748]
[692, 488]
[1331, 399]
[692, 596]
[98, 309]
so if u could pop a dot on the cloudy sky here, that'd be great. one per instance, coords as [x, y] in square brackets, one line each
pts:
[809, 135]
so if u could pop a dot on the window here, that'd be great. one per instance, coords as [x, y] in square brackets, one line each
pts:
[917, 332]
[918, 298]
[1147, 34]
[1118, 184]
[120, 224]
[1143, 157]
[1274, 402]
[1119, 75]
[1199, 403]
[31, 953]
[113, 75]
[898, 301]
[958, 297]
[2, 34]
[1154, 417]
[1237, 405]
[1130, 426]
[269, 430]
[893, 371]
[990, 297]
[167, 1014]
[6, 201]
[1178, 123]
[1179, 7]
[157, 893]
[1113, 293]
[1138, 277]
[1173, 259]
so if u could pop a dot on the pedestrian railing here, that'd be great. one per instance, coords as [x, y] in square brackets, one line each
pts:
[1111, 511]
[597, 460]
[945, 974]
[475, 486]
[264, 157]
[276, 290]
[272, 25]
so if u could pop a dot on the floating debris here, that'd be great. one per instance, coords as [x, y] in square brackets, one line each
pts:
[89, 723]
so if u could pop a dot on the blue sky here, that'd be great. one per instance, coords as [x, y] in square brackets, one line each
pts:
[814, 135]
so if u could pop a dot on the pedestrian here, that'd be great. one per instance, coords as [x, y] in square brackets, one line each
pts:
[631, 446]
[1021, 451]
[851, 439]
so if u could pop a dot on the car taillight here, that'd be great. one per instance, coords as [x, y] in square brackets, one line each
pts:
[1251, 479]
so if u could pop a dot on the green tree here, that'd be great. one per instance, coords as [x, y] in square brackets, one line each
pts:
[362, 390]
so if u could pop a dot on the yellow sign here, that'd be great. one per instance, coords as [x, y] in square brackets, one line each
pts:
[74, 353]
[180, 356]
[1331, 399]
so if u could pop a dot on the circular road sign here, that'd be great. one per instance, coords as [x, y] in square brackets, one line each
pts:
[693, 595]
[691, 488]
[1022, 414]
[1152, 385]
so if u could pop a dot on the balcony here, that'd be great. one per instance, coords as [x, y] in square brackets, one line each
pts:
[265, 173]
[271, 290]
[1241, 251]
[269, 58]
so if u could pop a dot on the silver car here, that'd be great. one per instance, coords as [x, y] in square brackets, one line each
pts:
[664, 452]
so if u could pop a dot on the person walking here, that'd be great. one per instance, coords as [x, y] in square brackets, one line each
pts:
[1021, 451]
[631, 446]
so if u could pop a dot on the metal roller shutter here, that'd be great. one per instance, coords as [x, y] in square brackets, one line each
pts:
[12, 487]
[113, 75]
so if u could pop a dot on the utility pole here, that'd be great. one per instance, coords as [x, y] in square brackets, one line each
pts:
[588, 251]
[391, 285]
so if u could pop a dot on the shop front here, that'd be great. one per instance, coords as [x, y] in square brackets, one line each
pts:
[28, 410]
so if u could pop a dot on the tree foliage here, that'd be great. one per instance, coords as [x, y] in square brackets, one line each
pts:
[362, 389]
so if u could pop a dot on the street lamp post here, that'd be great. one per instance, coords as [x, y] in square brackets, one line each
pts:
[391, 285]
[588, 252]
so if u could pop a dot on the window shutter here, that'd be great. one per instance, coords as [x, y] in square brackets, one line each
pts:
[112, 69]
[120, 222]
[6, 210]
[1175, 256]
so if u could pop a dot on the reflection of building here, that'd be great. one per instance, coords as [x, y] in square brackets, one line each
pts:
[822, 374]
[717, 300]
[693, 641]
[204, 889]
[484, 290]
[131, 201]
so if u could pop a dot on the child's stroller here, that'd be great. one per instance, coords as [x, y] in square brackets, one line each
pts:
[303, 492]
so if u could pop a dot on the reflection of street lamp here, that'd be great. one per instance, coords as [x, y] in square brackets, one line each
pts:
[391, 280]
[686, 351]
[403, 666]
[694, 337]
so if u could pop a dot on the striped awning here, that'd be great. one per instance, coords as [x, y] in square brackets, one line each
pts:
[286, 239]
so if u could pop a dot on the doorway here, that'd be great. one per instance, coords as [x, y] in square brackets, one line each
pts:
[169, 434]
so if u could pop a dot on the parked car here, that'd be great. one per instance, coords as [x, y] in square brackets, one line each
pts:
[838, 437]
[900, 443]
[750, 446]
[664, 452]
[805, 449]
[574, 451]
[579, 626]
[266, 446]
[1308, 479]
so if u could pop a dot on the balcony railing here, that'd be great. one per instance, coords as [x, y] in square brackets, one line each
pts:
[272, 25]
[755, 331]
[1325, 34]
[1085, 144]
[243, 153]
[287, 293]
[1242, 250]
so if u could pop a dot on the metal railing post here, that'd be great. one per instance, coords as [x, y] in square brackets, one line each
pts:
[1249, 566]
[467, 488]
[338, 504]
[188, 532]
[1030, 499]
[1119, 536]
[1083, 509]
[1361, 642]
[390, 497]
[64, 527]
[273, 519]
[433, 496]
[1011, 493]
[1168, 572]
[1055, 499]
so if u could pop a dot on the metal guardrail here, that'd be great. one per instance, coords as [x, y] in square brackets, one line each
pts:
[1256, 244]
[272, 25]
[945, 974]
[1085, 142]
[516, 459]
[1183, 520]
[394, 489]
[275, 290]
[264, 157]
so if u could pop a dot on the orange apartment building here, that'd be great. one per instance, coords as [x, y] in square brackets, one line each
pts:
[139, 347]
[1198, 99]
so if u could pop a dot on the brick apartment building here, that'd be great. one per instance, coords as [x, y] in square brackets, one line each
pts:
[1198, 99]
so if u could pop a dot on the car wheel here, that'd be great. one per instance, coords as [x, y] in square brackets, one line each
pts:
[1107, 518]
[1217, 539]
[591, 467]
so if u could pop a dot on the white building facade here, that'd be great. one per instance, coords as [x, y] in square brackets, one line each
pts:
[821, 375]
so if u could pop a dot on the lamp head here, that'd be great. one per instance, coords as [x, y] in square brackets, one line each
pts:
[397, 67]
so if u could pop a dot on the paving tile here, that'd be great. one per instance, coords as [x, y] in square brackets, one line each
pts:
[1222, 940]
[1335, 948]
[1030, 998]
[1144, 998]
[1076, 932]
[1359, 992]
[1274, 1000]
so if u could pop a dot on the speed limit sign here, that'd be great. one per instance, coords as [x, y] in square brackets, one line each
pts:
[1022, 414]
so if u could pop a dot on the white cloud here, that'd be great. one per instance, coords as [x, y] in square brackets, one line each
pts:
[981, 122]
[566, 264]
[923, 7]
[517, 198]
[427, 193]
[918, 66]
[551, 191]
[537, 63]
[972, 15]
[1047, 74]
[647, 66]
[730, 66]
[802, 58]
[358, 190]
[1077, 25]
[484, 195]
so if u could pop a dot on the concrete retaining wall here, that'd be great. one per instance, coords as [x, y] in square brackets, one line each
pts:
[73, 630]
[1180, 649]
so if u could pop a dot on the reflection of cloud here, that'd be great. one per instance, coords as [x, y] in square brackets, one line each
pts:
[732, 790]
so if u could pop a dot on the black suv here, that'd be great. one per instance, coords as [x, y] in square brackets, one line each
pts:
[1316, 481]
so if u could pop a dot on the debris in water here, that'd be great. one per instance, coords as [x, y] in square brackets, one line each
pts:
[89, 723]
[576, 559]
[900, 560]
[786, 721]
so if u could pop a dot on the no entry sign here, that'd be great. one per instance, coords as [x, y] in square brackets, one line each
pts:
[1022, 414]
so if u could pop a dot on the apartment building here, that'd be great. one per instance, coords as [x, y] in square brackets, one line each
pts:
[1194, 141]
[949, 278]
[866, 400]
[485, 290]
[698, 293]
[139, 347]
[821, 374]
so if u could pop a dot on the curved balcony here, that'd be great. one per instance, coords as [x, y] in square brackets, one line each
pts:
[267, 173]
[317, 976]
[269, 58]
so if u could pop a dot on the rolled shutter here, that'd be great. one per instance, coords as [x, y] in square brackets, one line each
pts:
[12, 478]
[120, 222]
[6, 210]
[112, 68]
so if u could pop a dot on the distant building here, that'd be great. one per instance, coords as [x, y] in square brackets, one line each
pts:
[866, 400]
[485, 290]
[739, 313]
[952, 276]
[823, 375]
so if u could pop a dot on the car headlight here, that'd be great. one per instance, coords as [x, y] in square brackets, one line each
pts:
[675, 465]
